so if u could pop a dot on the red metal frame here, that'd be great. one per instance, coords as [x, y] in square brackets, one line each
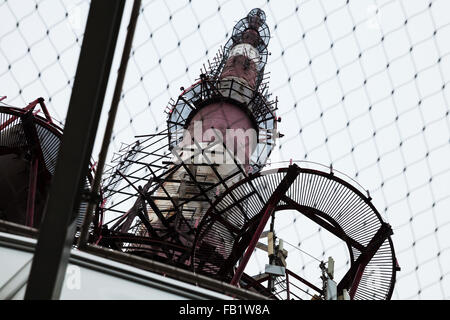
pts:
[32, 185]
[353, 278]
[30, 106]
[268, 210]
[356, 280]
[240, 270]
[30, 119]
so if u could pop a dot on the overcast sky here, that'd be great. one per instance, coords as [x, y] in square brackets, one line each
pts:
[361, 85]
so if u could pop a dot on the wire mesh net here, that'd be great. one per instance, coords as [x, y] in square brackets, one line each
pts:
[39, 48]
[362, 85]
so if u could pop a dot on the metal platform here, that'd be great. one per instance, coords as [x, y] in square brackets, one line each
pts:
[29, 146]
[229, 226]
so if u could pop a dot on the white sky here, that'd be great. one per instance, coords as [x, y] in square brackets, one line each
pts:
[397, 123]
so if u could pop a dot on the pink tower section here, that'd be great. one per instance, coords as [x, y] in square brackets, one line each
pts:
[226, 117]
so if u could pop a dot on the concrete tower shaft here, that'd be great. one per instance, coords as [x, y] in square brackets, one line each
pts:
[245, 53]
[242, 64]
[220, 129]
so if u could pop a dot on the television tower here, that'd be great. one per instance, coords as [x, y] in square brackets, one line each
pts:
[219, 130]
[195, 195]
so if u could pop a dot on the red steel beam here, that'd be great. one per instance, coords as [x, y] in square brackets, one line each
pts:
[32, 184]
[30, 106]
[353, 276]
[314, 215]
[356, 280]
[44, 110]
[265, 213]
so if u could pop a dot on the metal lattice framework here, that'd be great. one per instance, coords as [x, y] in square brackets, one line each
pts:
[329, 201]
[148, 180]
[170, 210]
[207, 91]
[364, 86]
[217, 237]
[29, 145]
